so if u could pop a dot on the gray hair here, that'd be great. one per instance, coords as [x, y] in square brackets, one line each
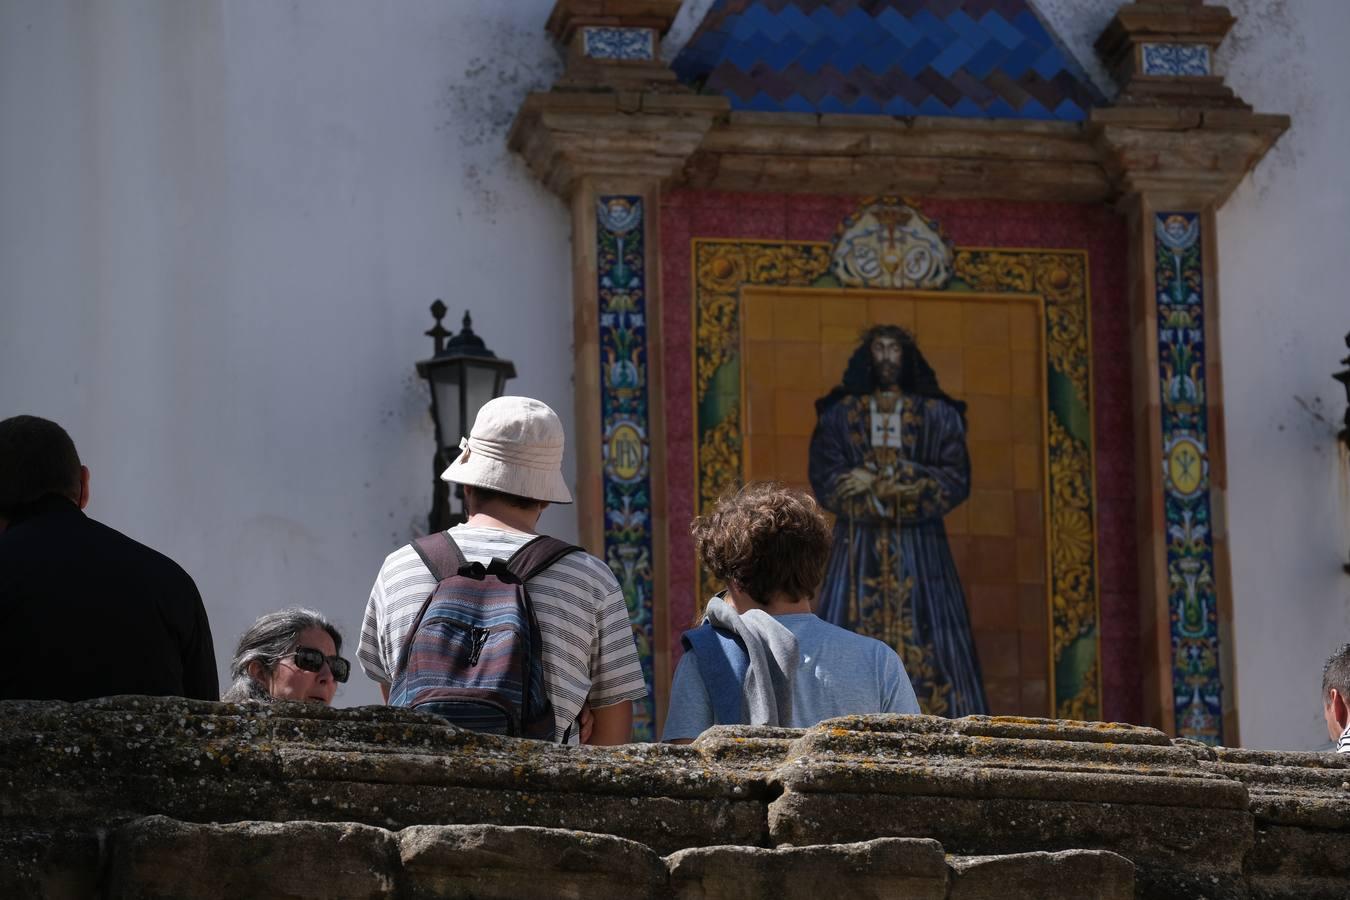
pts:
[269, 639]
[1336, 673]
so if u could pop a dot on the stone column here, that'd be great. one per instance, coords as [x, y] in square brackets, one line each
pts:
[1176, 143]
[605, 138]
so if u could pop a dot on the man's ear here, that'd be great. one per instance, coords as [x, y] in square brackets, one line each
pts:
[257, 671]
[1340, 709]
[84, 487]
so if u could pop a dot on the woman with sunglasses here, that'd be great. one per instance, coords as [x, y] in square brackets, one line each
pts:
[288, 655]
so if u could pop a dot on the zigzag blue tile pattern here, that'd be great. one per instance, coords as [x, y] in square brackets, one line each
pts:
[990, 59]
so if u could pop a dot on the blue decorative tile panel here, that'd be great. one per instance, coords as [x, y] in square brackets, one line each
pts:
[1197, 689]
[1176, 59]
[626, 480]
[968, 58]
[618, 43]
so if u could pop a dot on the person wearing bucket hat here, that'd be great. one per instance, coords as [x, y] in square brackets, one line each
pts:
[515, 448]
[510, 466]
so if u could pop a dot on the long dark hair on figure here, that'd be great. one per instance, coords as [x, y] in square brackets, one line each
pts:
[916, 375]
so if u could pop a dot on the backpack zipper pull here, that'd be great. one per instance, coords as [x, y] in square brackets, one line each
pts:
[479, 636]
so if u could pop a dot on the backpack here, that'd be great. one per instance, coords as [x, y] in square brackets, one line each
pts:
[474, 655]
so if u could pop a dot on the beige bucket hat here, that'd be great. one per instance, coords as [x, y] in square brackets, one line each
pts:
[516, 447]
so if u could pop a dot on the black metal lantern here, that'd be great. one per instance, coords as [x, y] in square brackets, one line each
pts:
[464, 374]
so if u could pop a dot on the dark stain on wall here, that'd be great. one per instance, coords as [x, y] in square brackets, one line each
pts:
[479, 105]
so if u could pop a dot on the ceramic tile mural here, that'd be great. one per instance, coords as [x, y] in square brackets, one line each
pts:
[619, 43]
[722, 269]
[1176, 59]
[623, 408]
[691, 219]
[1192, 598]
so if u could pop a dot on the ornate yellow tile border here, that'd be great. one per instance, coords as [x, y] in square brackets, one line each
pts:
[1060, 278]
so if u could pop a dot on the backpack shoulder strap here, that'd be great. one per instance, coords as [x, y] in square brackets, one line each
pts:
[538, 555]
[443, 557]
[440, 553]
[722, 663]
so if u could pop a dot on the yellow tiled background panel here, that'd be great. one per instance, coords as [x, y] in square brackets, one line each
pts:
[987, 351]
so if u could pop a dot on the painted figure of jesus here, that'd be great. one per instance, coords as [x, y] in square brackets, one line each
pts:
[888, 458]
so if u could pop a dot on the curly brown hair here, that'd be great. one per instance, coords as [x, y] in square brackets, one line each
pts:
[766, 539]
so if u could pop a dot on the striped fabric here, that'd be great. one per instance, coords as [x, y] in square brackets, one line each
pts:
[1343, 744]
[588, 639]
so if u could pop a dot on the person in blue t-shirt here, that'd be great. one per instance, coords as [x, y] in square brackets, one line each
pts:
[761, 656]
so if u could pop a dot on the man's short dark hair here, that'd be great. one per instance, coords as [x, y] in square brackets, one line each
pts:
[37, 458]
[1336, 673]
[766, 539]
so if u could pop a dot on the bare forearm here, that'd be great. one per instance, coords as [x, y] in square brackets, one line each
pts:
[613, 724]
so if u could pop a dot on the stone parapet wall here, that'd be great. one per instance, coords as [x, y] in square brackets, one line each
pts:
[161, 858]
[158, 798]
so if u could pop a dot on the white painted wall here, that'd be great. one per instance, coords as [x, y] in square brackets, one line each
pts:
[221, 225]
[1284, 247]
[1284, 244]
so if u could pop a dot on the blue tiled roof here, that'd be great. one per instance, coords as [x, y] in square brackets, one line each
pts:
[968, 58]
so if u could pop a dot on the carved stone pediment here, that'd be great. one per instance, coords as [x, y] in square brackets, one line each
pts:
[567, 135]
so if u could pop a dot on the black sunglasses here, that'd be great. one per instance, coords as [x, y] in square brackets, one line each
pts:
[312, 660]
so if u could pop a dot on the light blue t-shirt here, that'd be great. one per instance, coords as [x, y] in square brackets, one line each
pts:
[841, 674]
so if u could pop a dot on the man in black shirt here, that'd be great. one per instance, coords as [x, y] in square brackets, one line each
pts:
[85, 611]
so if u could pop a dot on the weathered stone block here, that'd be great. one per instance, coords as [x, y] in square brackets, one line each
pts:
[488, 862]
[990, 785]
[1068, 875]
[125, 757]
[62, 865]
[157, 857]
[1299, 862]
[1166, 844]
[884, 868]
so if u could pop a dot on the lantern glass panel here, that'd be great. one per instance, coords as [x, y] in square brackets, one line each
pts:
[445, 379]
[482, 382]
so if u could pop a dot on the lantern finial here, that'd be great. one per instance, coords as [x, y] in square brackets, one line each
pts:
[437, 332]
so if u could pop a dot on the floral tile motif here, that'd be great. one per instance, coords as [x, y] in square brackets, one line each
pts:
[618, 43]
[626, 479]
[1197, 689]
[1176, 59]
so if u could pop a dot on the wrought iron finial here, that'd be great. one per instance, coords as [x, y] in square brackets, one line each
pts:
[466, 342]
[438, 332]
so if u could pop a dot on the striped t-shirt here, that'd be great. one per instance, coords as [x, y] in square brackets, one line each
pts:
[588, 649]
